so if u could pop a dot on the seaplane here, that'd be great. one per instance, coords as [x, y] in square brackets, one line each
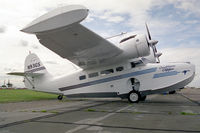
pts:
[130, 70]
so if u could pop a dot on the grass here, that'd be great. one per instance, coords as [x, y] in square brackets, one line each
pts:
[137, 112]
[187, 113]
[169, 113]
[91, 110]
[23, 95]
[43, 111]
[54, 112]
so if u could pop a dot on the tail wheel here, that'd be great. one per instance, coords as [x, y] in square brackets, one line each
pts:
[134, 97]
[60, 97]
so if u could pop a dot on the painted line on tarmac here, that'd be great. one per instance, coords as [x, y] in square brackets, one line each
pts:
[85, 125]
[196, 102]
[48, 116]
[93, 121]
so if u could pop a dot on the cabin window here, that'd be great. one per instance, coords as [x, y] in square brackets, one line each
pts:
[81, 63]
[135, 63]
[82, 77]
[95, 74]
[105, 72]
[121, 68]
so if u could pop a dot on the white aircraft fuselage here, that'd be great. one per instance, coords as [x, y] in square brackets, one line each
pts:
[131, 69]
[118, 82]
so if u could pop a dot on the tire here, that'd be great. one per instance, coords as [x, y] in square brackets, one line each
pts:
[172, 92]
[143, 98]
[134, 97]
[60, 97]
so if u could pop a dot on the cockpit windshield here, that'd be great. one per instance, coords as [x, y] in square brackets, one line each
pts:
[127, 38]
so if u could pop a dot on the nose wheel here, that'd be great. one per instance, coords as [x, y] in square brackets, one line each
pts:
[60, 97]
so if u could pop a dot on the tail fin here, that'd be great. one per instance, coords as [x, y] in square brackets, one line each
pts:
[34, 72]
[33, 65]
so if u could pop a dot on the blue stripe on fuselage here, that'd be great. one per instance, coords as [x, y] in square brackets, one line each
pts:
[109, 79]
[165, 74]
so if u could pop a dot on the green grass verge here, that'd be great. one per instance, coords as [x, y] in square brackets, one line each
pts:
[91, 110]
[187, 113]
[23, 95]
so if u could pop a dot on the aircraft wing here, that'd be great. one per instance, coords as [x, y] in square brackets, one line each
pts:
[61, 32]
[79, 45]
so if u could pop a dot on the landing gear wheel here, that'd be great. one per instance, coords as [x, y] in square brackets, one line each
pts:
[134, 97]
[60, 97]
[142, 98]
[172, 92]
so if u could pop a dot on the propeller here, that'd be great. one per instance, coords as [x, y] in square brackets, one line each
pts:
[152, 43]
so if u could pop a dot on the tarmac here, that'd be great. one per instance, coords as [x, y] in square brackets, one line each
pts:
[175, 113]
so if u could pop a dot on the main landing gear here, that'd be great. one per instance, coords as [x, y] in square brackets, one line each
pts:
[172, 92]
[60, 97]
[135, 97]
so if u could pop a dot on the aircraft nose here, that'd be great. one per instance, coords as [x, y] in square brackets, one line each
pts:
[191, 67]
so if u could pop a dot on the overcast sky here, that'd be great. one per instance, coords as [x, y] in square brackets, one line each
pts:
[174, 23]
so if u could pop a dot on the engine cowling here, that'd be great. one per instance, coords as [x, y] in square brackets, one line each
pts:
[135, 47]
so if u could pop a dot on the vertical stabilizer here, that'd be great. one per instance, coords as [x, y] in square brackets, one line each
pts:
[35, 72]
[34, 65]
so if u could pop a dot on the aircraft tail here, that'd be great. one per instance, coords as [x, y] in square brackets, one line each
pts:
[34, 65]
[34, 72]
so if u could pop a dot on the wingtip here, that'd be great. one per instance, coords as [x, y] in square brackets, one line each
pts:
[24, 29]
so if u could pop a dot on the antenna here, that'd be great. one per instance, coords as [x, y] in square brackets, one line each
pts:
[116, 35]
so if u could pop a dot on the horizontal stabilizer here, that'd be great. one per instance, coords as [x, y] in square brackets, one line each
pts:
[25, 74]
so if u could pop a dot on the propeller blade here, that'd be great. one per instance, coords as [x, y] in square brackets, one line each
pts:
[158, 54]
[158, 60]
[153, 42]
[148, 33]
[154, 50]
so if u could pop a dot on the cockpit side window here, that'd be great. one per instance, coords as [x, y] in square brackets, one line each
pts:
[135, 63]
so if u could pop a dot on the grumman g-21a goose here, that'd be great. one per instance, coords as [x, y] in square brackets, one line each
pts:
[130, 70]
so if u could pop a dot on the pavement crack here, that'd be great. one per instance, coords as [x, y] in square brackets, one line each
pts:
[85, 125]
[193, 101]
[48, 116]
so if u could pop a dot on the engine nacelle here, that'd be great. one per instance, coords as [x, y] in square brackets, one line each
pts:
[135, 46]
